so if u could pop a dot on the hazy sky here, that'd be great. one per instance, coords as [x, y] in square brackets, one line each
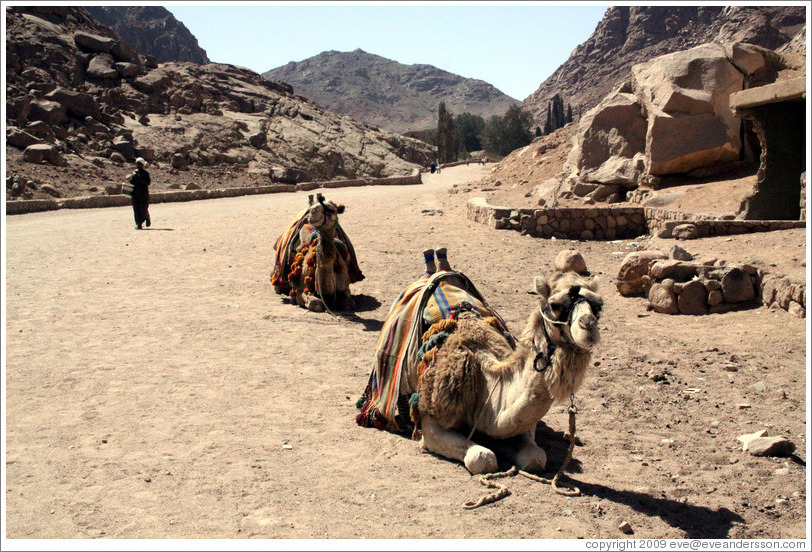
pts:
[514, 46]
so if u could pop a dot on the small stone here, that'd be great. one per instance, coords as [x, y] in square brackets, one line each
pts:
[743, 406]
[625, 528]
[731, 367]
[759, 386]
[771, 446]
[747, 438]
[781, 471]
[287, 447]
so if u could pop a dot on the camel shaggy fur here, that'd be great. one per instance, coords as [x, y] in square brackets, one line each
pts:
[477, 380]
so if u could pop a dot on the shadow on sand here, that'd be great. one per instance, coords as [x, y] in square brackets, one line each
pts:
[698, 522]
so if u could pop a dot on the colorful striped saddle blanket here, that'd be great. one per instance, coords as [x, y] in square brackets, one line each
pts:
[394, 376]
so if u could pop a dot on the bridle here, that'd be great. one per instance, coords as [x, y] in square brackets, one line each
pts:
[565, 319]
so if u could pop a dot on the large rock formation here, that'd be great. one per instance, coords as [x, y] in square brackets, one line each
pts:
[387, 94]
[72, 84]
[672, 117]
[629, 35]
[152, 30]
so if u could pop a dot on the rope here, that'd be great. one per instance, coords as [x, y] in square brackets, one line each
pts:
[503, 491]
[481, 410]
[500, 493]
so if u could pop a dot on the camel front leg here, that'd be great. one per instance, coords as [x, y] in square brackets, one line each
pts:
[530, 457]
[453, 445]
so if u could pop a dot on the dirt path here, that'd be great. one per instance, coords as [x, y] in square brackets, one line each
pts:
[157, 388]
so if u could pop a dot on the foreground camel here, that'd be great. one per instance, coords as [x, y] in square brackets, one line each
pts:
[477, 378]
[315, 262]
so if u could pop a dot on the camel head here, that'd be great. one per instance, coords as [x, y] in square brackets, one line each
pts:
[323, 213]
[570, 301]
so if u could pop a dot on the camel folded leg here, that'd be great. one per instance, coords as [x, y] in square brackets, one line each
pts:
[454, 445]
[530, 457]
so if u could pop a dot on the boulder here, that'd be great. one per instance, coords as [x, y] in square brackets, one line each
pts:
[49, 112]
[127, 70]
[771, 446]
[51, 191]
[678, 253]
[686, 96]
[37, 153]
[662, 298]
[737, 286]
[20, 139]
[610, 145]
[179, 162]
[685, 232]
[102, 66]
[258, 140]
[693, 298]
[18, 108]
[633, 276]
[124, 145]
[122, 51]
[289, 175]
[93, 43]
[78, 104]
[570, 259]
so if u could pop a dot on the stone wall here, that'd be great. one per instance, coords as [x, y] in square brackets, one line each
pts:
[594, 223]
[662, 223]
[599, 223]
[117, 200]
[784, 293]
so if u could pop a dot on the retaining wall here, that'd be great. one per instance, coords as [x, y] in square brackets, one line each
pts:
[34, 205]
[588, 223]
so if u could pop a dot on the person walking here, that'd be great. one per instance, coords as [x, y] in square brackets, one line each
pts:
[140, 181]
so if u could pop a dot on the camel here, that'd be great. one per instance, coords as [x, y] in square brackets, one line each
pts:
[479, 378]
[315, 261]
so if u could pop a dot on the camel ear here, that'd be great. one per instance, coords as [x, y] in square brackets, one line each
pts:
[541, 286]
[592, 284]
[340, 209]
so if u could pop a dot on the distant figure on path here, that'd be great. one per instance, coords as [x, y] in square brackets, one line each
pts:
[140, 181]
[439, 166]
[433, 167]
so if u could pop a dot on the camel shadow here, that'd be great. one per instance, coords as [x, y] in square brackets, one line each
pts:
[698, 522]
[364, 303]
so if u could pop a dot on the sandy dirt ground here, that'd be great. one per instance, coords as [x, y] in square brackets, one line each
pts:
[156, 387]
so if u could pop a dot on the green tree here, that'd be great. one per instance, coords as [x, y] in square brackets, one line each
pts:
[446, 143]
[505, 134]
[467, 130]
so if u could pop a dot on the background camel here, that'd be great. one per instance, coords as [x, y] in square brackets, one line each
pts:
[471, 375]
[315, 261]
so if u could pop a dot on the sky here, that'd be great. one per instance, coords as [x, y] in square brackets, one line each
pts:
[514, 46]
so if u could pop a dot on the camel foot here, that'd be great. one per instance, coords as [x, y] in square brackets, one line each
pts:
[532, 459]
[315, 304]
[478, 460]
[428, 260]
[442, 258]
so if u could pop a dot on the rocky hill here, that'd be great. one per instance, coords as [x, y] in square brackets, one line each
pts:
[151, 30]
[628, 35]
[388, 94]
[82, 104]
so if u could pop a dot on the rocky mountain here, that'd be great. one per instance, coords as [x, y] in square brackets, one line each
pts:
[81, 104]
[151, 30]
[628, 35]
[387, 94]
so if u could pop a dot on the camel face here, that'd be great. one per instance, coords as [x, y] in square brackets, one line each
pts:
[324, 214]
[575, 306]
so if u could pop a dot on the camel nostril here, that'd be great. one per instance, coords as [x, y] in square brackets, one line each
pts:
[588, 322]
